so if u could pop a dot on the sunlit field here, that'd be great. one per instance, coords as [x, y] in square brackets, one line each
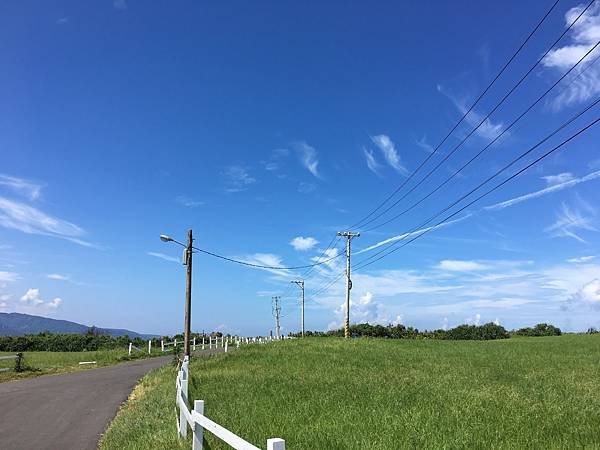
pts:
[329, 393]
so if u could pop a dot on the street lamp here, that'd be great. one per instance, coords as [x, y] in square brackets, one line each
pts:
[188, 288]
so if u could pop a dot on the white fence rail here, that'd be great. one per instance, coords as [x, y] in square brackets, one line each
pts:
[198, 422]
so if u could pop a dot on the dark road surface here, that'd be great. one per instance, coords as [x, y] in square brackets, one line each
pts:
[69, 411]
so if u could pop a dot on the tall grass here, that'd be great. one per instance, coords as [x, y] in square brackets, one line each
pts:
[383, 394]
[40, 363]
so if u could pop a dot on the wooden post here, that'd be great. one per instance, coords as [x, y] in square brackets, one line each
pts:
[275, 444]
[198, 430]
[130, 344]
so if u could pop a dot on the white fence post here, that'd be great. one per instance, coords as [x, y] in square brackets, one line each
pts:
[184, 391]
[175, 343]
[226, 344]
[194, 344]
[130, 344]
[275, 444]
[198, 430]
[162, 345]
[150, 346]
[202, 342]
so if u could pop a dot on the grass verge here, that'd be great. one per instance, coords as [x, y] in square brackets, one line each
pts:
[42, 363]
[383, 394]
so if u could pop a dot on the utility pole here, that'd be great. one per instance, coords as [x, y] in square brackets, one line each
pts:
[349, 235]
[277, 315]
[301, 284]
[188, 295]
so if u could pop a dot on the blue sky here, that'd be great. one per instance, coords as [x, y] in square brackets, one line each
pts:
[267, 127]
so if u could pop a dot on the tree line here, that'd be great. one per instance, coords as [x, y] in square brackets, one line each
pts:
[90, 341]
[483, 332]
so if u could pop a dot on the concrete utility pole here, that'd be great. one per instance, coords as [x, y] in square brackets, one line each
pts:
[301, 284]
[349, 235]
[188, 295]
[277, 315]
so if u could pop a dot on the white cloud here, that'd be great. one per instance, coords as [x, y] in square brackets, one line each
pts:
[372, 163]
[266, 259]
[8, 277]
[306, 188]
[308, 157]
[455, 265]
[422, 143]
[238, 179]
[485, 128]
[584, 82]
[581, 259]
[303, 243]
[32, 298]
[403, 236]
[58, 277]
[385, 144]
[588, 295]
[25, 218]
[163, 256]
[559, 178]
[187, 201]
[24, 187]
[62, 20]
[545, 191]
[569, 221]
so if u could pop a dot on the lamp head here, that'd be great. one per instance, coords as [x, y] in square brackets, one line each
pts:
[165, 238]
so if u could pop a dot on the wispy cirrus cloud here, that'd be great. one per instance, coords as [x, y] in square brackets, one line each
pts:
[308, 157]
[389, 152]
[558, 178]
[486, 129]
[27, 219]
[27, 188]
[189, 202]
[545, 191]
[238, 179]
[571, 220]
[372, 163]
[581, 259]
[584, 83]
[458, 265]
[163, 256]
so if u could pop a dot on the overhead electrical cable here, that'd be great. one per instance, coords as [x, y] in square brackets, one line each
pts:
[504, 98]
[526, 111]
[435, 150]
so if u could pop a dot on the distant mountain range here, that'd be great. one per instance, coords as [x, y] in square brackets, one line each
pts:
[15, 324]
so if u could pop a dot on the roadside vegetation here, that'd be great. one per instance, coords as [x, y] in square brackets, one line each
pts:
[42, 363]
[488, 331]
[530, 392]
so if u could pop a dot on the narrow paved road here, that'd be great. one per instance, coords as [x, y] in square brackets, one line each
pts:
[69, 411]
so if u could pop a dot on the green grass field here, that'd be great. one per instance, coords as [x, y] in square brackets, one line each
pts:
[59, 362]
[326, 394]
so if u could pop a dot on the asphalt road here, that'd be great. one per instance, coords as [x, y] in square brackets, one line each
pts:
[68, 411]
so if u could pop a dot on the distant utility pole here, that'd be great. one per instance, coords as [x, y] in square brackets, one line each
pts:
[301, 284]
[349, 235]
[277, 315]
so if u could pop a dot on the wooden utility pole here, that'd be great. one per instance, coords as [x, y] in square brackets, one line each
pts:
[349, 236]
[301, 284]
[188, 295]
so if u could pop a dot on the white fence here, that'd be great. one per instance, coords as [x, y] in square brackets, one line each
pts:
[6, 369]
[198, 422]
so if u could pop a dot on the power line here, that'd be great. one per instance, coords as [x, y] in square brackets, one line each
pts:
[527, 110]
[261, 266]
[514, 55]
[446, 219]
[504, 98]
